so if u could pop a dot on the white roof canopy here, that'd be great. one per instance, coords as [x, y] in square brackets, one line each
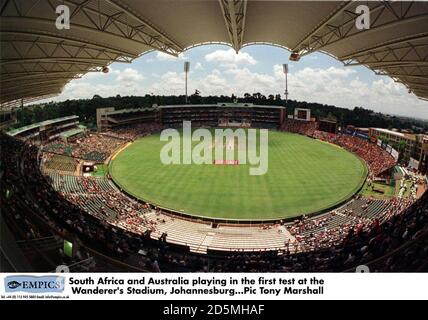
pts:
[37, 59]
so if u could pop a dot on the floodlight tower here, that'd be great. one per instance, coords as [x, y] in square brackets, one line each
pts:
[186, 71]
[285, 69]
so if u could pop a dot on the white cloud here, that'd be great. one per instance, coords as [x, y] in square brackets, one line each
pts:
[343, 88]
[171, 82]
[229, 58]
[332, 85]
[199, 66]
[215, 80]
[162, 56]
[129, 75]
[123, 82]
[246, 81]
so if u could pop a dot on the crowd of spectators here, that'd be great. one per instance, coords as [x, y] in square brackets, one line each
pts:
[134, 131]
[105, 202]
[58, 147]
[361, 242]
[306, 128]
[319, 232]
[92, 147]
[376, 158]
[52, 161]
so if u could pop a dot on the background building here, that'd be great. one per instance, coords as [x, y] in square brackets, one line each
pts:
[411, 146]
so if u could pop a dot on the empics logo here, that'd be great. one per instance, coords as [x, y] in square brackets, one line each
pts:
[34, 284]
[13, 284]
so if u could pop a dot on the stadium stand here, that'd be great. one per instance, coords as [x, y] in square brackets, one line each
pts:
[301, 127]
[60, 163]
[46, 130]
[134, 131]
[42, 209]
[114, 224]
[93, 147]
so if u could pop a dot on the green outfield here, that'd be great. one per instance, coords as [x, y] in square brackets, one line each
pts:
[304, 176]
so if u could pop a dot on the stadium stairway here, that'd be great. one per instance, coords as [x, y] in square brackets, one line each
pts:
[200, 237]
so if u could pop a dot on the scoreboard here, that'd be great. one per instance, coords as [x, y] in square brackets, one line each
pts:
[302, 114]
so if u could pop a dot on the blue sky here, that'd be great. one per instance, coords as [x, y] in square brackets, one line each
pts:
[217, 69]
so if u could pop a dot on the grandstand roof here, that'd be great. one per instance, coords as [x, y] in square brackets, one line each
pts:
[123, 111]
[221, 105]
[37, 59]
[17, 131]
[72, 132]
[397, 134]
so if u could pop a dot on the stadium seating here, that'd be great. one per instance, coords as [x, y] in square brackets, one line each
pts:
[100, 215]
[60, 163]
[92, 147]
[201, 237]
[300, 127]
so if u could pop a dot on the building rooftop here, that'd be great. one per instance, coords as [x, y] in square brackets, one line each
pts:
[222, 105]
[72, 132]
[17, 131]
[397, 134]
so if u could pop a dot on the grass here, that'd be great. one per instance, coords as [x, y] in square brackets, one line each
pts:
[408, 191]
[387, 191]
[304, 176]
[101, 171]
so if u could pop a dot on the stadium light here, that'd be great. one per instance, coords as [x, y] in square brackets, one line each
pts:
[186, 71]
[295, 56]
[285, 69]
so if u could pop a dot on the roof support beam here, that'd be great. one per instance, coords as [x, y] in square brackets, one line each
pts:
[37, 49]
[31, 93]
[382, 64]
[416, 85]
[421, 95]
[28, 98]
[167, 40]
[145, 33]
[234, 13]
[308, 37]
[17, 103]
[72, 69]
[417, 18]
[410, 84]
[67, 39]
[43, 75]
[33, 88]
[33, 84]
[136, 36]
[342, 25]
[48, 87]
[423, 77]
[88, 61]
[385, 45]
[39, 79]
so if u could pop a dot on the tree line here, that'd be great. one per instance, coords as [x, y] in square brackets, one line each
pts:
[86, 109]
